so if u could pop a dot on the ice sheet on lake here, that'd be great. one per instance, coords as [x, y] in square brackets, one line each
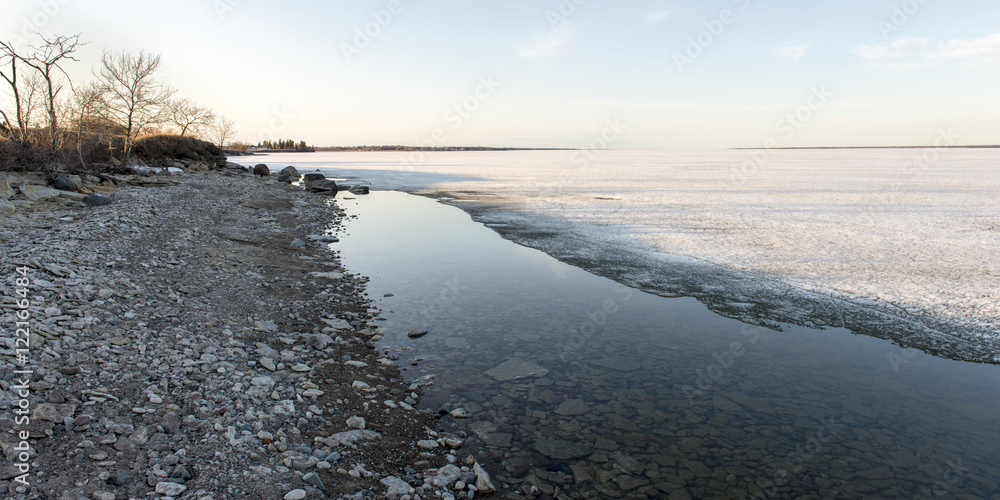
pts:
[896, 243]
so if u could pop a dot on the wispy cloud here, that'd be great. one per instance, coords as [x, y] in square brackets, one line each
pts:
[790, 52]
[909, 53]
[657, 17]
[549, 45]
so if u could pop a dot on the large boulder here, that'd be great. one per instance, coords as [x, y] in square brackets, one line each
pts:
[64, 183]
[327, 186]
[319, 183]
[261, 170]
[313, 177]
[96, 200]
[288, 175]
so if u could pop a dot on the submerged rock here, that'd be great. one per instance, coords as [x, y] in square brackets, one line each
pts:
[517, 368]
[558, 449]
[416, 333]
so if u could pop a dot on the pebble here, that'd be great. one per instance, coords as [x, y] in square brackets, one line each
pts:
[298, 494]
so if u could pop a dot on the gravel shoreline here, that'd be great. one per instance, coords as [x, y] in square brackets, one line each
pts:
[193, 341]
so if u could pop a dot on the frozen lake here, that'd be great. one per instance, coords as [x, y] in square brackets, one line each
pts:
[902, 244]
[576, 385]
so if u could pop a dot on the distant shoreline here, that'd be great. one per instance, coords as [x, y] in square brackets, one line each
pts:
[348, 149]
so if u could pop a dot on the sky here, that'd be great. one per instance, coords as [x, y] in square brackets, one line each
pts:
[626, 74]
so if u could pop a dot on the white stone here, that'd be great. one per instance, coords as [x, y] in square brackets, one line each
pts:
[169, 489]
[298, 494]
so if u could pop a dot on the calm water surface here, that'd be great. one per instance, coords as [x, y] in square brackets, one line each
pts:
[579, 387]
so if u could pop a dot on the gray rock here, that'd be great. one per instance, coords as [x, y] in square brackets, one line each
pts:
[53, 412]
[483, 483]
[445, 476]
[561, 450]
[96, 200]
[313, 177]
[261, 170]
[427, 444]
[268, 363]
[517, 368]
[36, 193]
[396, 486]
[356, 422]
[63, 183]
[348, 438]
[621, 363]
[169, 489]
[416, 333]
[298, 494]
[324, 185]
[171, 423]
[572, 407]
[7, 207]
[312, 479]
[297, 243]
[323, 238]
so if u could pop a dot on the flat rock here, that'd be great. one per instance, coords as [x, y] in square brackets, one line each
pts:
[446, 476]
[96, 200]
[169, 489]
[483, 483]
[298, 494]
[7, 207]
[724, 403]
[329, 276]
[561, 450]
[621, 363]
[36, 193]
[572, 407]
[348, 438]
[53, 412]
[323, 238]
[396, 486]
[337, 323]
[517, 368]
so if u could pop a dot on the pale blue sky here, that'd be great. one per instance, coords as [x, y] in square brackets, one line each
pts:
[873, 74]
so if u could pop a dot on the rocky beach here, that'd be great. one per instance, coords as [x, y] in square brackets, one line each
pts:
[195, 336]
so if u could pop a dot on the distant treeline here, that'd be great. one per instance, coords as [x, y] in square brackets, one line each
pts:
[285, 144]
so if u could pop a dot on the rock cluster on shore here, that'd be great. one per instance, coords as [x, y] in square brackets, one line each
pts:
[200, 340]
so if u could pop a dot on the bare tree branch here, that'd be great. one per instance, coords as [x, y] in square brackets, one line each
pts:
[20, 133]
[190, 116]
[223, 129]
[135, 98]
[46, 60]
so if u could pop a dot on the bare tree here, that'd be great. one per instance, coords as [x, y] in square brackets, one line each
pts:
[88, 101]
[135, 98]
[18, 131]
[190, 116]
[223, 128]
[46, 60]
[32, 94]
